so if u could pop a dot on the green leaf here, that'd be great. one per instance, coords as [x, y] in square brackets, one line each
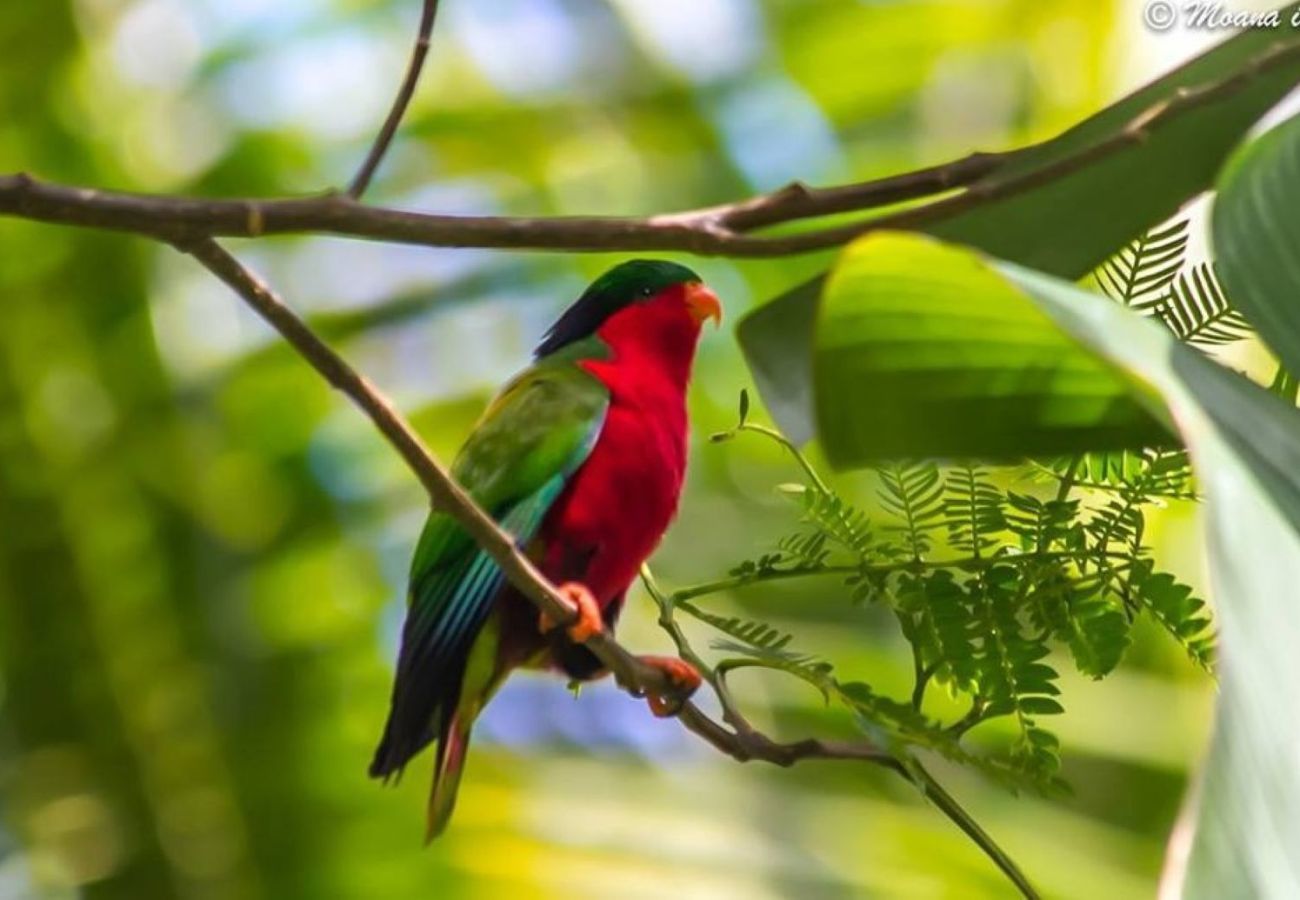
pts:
[1256, 236]
[1245, 444]
[923, 350]
[1196, 309]
[1179, 611]
[1066, 220]
[913, 492]
[1069, 224]
[1145, 267]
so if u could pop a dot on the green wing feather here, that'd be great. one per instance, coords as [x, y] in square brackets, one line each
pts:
[516, 462]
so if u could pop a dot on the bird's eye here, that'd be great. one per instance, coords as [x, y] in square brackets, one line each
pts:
[645, 292]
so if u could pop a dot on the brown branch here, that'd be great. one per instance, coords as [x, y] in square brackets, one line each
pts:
[704, 232]
[744, 743]
[447, 496]
[718, 231]
[403, 99]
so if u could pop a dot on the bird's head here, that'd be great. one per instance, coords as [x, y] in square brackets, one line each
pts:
[644, 306]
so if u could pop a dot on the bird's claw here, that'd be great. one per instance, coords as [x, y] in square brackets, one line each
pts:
[588, 624]
[681, 676]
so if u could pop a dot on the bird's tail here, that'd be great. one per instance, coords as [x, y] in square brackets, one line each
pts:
[453, 744]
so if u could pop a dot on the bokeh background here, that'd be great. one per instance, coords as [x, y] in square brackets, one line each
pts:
[203, 550]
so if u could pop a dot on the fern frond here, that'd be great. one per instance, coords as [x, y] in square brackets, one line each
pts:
[751, 634]
[1109, 467]
[913, 492]
[1197, 311]
[1120, 522]
[1145, 267]
[900, 727]
[1080, 614]
[808, 669]
[840, 521]
[1013, 680]
[945, 626]
[1040, 524]
[1179, 611]
[973, 509]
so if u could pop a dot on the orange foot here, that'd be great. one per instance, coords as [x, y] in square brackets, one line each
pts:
[681, 676]
[588, 624]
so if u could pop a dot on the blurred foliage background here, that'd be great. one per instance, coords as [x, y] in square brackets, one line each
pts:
[204, 550]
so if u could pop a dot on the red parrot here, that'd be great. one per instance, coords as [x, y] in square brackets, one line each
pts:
[581, 458]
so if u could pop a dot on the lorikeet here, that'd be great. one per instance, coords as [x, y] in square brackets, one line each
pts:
[581, 457]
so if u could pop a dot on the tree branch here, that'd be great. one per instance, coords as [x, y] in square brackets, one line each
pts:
[744, 743]
[703, 232]
[965, 563]
[400, 103]
[714, 231]
[631, 672]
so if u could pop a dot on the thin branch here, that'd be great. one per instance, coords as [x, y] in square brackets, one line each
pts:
[400, 103]
[973, 717]
[180, 218]
[949, 806]
[731, 713]
[746, 743]
[798, 201]
[447, 496]
[921, 675]
[772, 434]
[965, 563]
[716, 231]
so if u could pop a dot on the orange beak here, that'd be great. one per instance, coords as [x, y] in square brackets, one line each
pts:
[703, 303]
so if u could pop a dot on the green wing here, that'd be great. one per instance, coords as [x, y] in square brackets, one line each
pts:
[516, 462]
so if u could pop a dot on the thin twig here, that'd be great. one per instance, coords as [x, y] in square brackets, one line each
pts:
[973, 717]
[965, 563]
[949, 806]
[400, 103]
[921, 675]
[745, 743]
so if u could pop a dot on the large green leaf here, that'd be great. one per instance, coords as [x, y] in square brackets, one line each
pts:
[1257, 237]
[1066, 220]
[1245, 445]
[1070, 224]
[921, 349]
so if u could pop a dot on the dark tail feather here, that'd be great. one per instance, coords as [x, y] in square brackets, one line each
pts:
[391, 757]
[453, 744]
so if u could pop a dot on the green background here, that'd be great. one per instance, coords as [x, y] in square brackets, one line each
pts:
[203, 549]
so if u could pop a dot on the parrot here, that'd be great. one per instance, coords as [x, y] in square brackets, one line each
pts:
[581, 459]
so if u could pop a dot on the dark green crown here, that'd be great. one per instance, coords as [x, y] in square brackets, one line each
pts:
[621, 286]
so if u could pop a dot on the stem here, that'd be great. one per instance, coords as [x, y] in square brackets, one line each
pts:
[973, 717]
[400, 103]
[966, 563]
[949, 806]
[921, 674]
[785, 442]
[746, 743]
[1068, 479]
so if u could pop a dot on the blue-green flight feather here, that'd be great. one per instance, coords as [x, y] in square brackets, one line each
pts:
[516, 462]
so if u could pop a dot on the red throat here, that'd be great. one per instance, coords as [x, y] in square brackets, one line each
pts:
[653, 340]
[622, 499]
